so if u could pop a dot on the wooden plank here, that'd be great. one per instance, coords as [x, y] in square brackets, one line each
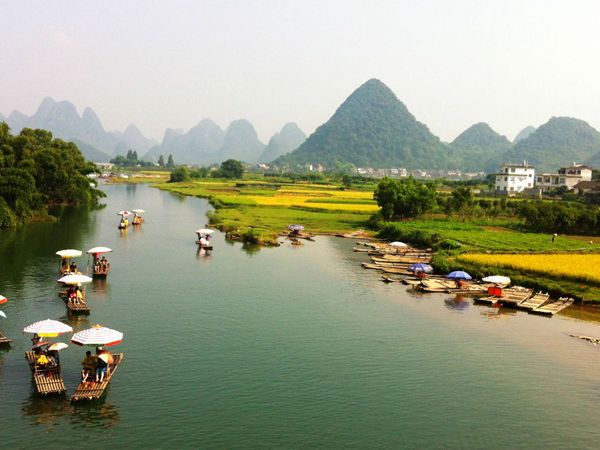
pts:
[554, 307]
[74, 306]
[86, 393]
[48, 380]
[534, 302]
[4, 339]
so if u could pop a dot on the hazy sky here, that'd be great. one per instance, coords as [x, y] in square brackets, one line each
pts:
[162, 64]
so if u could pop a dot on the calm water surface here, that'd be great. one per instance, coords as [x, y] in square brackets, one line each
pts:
[286, 348]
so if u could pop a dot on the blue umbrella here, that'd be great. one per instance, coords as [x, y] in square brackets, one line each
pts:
[420, 267]
[295, 227]
[458, 275]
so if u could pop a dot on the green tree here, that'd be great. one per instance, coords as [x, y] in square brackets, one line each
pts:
[405, 198]
[232, 168]
[170, 162]
[129, 154]
[347, 180]
[161, 161]
[135, 155]
[180, 174]
[462, 198]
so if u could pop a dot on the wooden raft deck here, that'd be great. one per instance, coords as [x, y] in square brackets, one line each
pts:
[86, 393]
[48, 380]
[515, 295]
[534, 302]
[554, 307]
[4, 339]
[73, 306]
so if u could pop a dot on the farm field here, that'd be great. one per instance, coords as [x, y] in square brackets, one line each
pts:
[580, 268]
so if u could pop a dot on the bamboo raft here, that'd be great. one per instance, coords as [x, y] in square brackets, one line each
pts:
[363, 250]
[4, 339]
[554, 307]
[101, 270]
[433, 285]
[205, 247]
[48, 380]
[74, 306]
[419, 256]
[412, 260]
[534, 302]
[390, 280]
[380, 266]
[514, 296]
[87, 393]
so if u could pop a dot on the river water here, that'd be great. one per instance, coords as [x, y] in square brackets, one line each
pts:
[280, 348]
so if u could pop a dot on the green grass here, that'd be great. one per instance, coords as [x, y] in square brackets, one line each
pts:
[348, 201]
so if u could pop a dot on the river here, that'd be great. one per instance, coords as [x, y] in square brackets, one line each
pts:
[280, 348]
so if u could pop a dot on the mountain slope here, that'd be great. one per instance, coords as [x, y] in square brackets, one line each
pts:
[556, 144]
[479, 148]
[525, 132]
[288, 139]
[241, 143]
[371, 128]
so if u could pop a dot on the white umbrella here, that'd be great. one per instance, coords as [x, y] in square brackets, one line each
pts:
[3, 299]
[48, 327]
[99, 250]
[204, 231]
[70, 253]
[138, 211]
[58, 346]
[2, 314]
[124, 213]
[496, 279]
[97, 336]
[398, 244]
[74, 279]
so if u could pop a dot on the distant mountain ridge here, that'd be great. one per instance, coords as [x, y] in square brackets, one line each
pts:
[288, 139]
[62, 119]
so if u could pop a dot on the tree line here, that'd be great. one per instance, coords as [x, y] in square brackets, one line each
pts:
[37, 171]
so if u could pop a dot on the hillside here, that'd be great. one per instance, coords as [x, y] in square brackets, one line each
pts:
[288, 139]
[524, 133]
[557, 143]
[479, 148]
[372, 128]
[241, 143]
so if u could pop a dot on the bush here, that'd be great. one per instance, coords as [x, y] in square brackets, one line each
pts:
[180, 174]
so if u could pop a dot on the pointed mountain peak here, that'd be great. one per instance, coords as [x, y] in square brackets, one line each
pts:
[92, 123]
[524, 133]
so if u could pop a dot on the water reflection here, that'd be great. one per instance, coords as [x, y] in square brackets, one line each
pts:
[496, 311]
[53, 411]
[100, 287]
[203, 254]
[94, 414]
[459, 303]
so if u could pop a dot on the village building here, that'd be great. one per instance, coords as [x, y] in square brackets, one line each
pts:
[565, 176]
[514, 178]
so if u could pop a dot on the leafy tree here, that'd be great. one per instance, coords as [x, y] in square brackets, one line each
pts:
[161, 161]
[462, 198]
[232, 168]
[135, 155]
[347, 180]
[404, 198]
[129, 154]
[180, 174]
[170, 162]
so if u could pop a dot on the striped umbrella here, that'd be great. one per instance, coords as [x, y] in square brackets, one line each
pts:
[48, 328]
[420, 267]
[97, 336]
[74, 279]
[3, 299]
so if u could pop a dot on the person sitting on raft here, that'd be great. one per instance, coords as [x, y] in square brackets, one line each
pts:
[41, 359]
[79, 294]
[73, 268]
[101, 367]
[89, 366]
[72, 293]
[65, 267]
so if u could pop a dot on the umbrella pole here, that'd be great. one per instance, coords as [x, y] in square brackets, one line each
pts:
[87, 270]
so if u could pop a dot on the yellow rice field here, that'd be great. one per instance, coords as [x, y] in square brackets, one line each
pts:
[305, 201]
[329, 193]
[579, 267]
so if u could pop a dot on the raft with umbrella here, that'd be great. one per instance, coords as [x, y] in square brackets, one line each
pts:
[296, 233]
[100, 269]
[73, 303]
[137, 218]
[47, 376]
[124, 223]
[204, 234]
[99, 337]
[3, 339]
[66, 256]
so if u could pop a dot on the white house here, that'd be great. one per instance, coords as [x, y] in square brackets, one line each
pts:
[565, 176]
[514, 178]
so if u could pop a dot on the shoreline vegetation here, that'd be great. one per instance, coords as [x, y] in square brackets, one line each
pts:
[256, 209]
